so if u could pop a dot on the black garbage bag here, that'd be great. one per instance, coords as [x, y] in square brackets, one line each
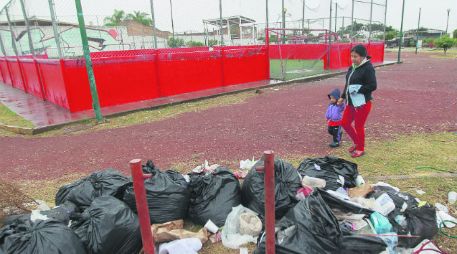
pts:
[287, 183]
[402, 200]
[109, 182]
[40, 237]
[166, 192]
[308, 228]
[108, 226]
[330, 169]
[362, 245]
[213, 195]
[421, 222]
[343, 206]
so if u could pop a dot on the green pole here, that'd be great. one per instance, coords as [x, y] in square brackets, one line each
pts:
[401, 32]
[90, 71]
[417, 31]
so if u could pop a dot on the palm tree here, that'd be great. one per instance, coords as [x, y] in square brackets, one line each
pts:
[115, 19]
[140, 17]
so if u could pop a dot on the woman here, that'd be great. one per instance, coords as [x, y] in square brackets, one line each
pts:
[360, 83]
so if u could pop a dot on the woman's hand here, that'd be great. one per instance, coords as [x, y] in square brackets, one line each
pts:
[340, 101]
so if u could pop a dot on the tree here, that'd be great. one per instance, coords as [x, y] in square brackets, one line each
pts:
[212, 43]
[115, 19]
[175, 42]
[445, 42]
[455, 34]
[140, 17]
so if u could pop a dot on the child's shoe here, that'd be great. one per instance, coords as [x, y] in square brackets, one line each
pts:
[334, 144]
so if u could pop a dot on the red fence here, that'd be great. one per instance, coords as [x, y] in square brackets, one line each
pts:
[135, 75]
[339, 53]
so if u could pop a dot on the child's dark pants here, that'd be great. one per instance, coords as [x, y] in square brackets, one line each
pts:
[335, 131]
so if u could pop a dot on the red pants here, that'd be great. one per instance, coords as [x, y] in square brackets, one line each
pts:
[359, 117]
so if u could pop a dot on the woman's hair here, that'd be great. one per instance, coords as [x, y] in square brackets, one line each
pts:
[360, 50]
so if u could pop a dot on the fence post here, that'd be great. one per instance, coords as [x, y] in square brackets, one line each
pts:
[153, 24]
[90, 70]
[267, 42]
[142, 205]
[269, 187]
[54, 27]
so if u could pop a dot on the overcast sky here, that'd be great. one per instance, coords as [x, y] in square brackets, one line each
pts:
[188, 14]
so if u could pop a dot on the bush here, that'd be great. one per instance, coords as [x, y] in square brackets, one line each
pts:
[175, 42]
[212, 43]
[455, 34]
[195, 44]
[445, 42]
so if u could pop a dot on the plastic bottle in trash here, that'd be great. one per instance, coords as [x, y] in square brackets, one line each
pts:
[359, 181]
[313, 182]
[452, 197]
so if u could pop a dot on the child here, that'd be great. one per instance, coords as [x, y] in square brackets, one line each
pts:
[334, 115]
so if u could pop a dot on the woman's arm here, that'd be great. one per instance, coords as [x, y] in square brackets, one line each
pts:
[370, 83]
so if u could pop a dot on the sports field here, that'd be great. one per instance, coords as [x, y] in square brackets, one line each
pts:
[295, 68]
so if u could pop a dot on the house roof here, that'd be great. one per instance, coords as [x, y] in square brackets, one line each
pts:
[231, 19]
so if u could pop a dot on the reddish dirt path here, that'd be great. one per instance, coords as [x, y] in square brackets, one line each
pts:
[419, 95]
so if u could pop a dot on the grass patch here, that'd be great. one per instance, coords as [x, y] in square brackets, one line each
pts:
[295, 68]
[8, 117]
[153, 115]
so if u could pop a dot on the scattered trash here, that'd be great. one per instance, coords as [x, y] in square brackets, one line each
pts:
[401, 220]
[421, 222]
[166, 192]
[380, 223]
[360, 191]
[215, 238]
[174, 230]
[188, 246]
[313, 182]
[109, 182]
[303, 192]
[444, 219]
[240, 230]
[247, 164]
[42, 205]
[385, 204]
[391, 240]
[211, 227]
[420, 192]
[108, 226]
[427, 247]
[205, 167]
[40, 237]
[359, 181]
[336, 172]
[36, 215]
[213, 195]
[441, 207]
[244, 251]
[452, 197]
[287, 183]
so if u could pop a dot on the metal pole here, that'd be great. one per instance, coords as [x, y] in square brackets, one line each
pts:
[90, 71]
[27, 25]
[268, 170]
[283, 22]
[142, 205]
[266, 15]
[13, 37]
[221, 23]
[54, 27]
[352, 21]
[417, 31]
[385, 20]
[172, 22]
[336, 17]
[371, 20]
[303, 16]
[329, 34]
[447, 22]
[401, 32]
[153, 24]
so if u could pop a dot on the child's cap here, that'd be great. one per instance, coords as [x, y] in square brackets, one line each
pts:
[335, 93]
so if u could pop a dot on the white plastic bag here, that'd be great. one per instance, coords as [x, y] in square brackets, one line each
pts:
[231, 236]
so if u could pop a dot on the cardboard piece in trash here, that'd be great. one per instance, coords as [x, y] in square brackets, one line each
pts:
[173, 230]
[361, 191]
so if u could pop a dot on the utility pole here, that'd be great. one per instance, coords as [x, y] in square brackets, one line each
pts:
[336, 17]
[303, 16]
[266, 14]
[283, 23]
[172, 22]
[153, 24]
[371, 21]
[352, 21]
[385, 19]
[401, 32]
[447, 22]
[417, 31]
[90, 70]
[221, 24]
[329, 34]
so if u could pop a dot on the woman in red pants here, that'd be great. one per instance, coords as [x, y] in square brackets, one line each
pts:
[360, 83]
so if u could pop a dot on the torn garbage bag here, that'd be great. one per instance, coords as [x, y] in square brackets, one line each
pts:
[362, 245]
[166, 193]
[108, 226]
[287, 183]
[173, 230]
[40, 237]
[109, 182]
[335, 171]
[212, 196]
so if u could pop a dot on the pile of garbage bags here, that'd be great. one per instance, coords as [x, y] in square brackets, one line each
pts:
[324, 206]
